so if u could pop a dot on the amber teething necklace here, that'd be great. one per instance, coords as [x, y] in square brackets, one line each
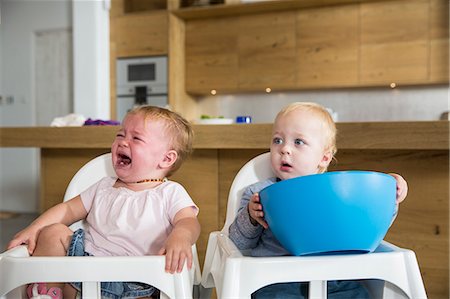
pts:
[151, 180]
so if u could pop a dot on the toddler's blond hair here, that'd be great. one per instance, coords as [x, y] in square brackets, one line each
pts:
[327, 122]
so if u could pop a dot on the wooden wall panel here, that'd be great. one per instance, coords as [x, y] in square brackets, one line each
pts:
[58, 166]
[439, 18]
[179, 100]
[144, 34]
[439, 61]
[211, 55]
[439, 41]
[328, 46]
[199, 175]
[394, 42]
[117, 8]
[266, 51]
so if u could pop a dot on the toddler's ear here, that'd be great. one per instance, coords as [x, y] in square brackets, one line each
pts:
[326, 159]
[169, 158]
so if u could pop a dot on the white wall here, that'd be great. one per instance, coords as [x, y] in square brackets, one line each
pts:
[20, 21]
[19, 174]
[399, 104]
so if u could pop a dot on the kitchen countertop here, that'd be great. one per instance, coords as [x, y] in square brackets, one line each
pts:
[416, 135]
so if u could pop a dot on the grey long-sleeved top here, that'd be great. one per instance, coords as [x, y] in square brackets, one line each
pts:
[245, 235]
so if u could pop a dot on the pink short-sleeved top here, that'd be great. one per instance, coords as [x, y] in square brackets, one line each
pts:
[122, 222]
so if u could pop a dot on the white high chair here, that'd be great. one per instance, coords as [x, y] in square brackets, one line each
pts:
[390, 271]
[18, 269]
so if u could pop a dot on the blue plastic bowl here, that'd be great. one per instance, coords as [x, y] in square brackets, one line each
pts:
[334, 212]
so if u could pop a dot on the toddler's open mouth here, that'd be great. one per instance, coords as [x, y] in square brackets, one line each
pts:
[123, 159]
[285, 166]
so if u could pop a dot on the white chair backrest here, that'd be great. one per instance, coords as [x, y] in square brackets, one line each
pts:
[89, 174]
[256, 170]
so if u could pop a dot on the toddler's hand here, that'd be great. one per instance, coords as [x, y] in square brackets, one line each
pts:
[255, 211]
[402, 187]
[178, 250]
[27, 236]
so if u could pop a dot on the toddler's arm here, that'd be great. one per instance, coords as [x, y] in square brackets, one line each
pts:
[67, 213]
[244, 233]
[178, 247]
[402, 187]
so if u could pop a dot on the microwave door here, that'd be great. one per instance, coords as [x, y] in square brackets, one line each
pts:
[157, 100]
[123, 105]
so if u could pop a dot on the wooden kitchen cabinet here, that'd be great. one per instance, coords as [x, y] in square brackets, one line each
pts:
[394, 42]
[143, 34]
[138, 28]
[327, 47]
[240, 53]
[121, 7]
[211, 53]
[439, 41]
[357, 44]
[266, 51]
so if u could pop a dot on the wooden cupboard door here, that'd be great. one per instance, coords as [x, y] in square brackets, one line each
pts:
[143, 34]
[211, 55]
[266, 47]
[327, 47]
[439, 41]
[394, 42]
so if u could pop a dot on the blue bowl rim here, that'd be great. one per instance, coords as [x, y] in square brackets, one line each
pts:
[333, 173]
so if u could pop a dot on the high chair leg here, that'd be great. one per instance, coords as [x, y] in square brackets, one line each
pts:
[318, 289]
[91, 290]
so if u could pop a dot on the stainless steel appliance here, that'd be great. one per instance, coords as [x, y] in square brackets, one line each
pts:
[140, 81]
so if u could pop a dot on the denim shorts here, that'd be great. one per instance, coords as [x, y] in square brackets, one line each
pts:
[337, 289]
[110, 290]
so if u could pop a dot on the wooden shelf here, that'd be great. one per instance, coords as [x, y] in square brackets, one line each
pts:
[225, 10]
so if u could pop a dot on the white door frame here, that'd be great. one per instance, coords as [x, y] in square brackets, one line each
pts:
[91, 58]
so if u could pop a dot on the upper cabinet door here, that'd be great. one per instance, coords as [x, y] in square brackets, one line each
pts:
[394, 42]
[439, 39]
[211, 55]
[143, 34]
[328, 46]
[267, 51]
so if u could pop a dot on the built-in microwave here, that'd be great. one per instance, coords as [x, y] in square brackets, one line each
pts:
[149, 72]
[140, 81]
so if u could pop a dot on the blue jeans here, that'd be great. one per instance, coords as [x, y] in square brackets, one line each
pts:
[112, 290]
[341, 289]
